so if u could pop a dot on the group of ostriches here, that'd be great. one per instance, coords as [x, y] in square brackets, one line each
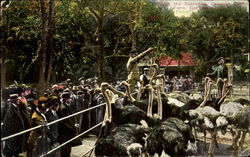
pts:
[164, 123]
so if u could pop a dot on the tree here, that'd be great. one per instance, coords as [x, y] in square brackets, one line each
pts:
[216, 32]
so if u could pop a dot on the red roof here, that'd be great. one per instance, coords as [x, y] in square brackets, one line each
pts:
[186, 60]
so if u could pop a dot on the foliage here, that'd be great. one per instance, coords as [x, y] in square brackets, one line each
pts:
[84, 45]
[218, 32]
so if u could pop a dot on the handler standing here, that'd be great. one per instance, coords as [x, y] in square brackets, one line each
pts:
[133, 69]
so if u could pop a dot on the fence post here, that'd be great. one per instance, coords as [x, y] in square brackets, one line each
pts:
[44, 138]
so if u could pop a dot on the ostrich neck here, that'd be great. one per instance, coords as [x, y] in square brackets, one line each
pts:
[116, 91]
[129, 93]
[153, 76]
[105, 95]
[158, 90]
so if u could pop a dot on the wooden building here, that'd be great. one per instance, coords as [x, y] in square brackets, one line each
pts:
[178, 67]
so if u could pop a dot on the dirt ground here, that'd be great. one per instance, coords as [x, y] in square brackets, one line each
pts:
[224, 141]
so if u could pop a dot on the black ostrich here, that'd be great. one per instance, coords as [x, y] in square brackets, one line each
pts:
[125, 140]
[116, 115]
[172, 136]
[161, 104]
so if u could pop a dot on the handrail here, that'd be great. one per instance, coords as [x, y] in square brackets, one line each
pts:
[63, 144]
[20, 133]
[48, 124]
[74, 114]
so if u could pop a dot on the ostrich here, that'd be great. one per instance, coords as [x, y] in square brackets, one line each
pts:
[241, 123]
[171, 136]
[125, 140]
[221, 95]
[207, 118]
[144, 105]
[238, 116]
[122, 114]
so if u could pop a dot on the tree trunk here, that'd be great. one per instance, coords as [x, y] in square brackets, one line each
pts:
[42, 54]
[3, 72]
[101, 45]
[5, 52]
[50, 42]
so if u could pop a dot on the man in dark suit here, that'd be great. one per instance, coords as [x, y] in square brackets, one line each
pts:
[67, 129]
[13, 122]
[51, 115]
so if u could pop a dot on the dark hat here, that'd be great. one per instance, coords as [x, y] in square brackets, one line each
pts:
[227, 60]
[145, 69]
[79, 92]
[13, 96]
[54, 87]
[66, 90]
[65, 95]
[51, 100]
[19, 90]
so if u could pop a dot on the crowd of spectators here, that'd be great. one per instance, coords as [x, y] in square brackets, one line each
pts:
[21, 109]
[182, 84]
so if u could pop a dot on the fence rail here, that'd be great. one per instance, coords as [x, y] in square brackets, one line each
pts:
[45, 125]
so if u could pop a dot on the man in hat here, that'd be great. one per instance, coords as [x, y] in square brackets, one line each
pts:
[144, 80]
[132, 67]
[220, 71]
[68, 83]
[74, 103]
[67, 129]
[51, 115]
[13, 123]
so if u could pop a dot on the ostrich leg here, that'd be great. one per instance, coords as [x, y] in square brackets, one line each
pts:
[241, 142]
[235, 145]
[233, 137]
[219, 87]
[212, 143]
[205, 137]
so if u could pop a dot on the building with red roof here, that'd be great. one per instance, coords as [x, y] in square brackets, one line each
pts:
[177, 67]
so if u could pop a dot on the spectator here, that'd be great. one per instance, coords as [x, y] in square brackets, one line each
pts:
[35, 142]
[51, 115]
[67, 129]
[13, 123]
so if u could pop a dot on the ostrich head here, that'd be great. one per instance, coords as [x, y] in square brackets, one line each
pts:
[134, 150]
[155, 69]
[161, 79]
[127, 86]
